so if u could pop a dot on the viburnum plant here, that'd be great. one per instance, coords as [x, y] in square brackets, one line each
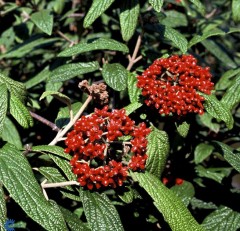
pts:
[120, 115]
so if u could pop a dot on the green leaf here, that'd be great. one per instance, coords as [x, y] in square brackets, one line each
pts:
[43, 20]
[216, 174]
[232, 96]
[174, 19]
[133, 91]
[68, 71]
[218, 110]
[168, 203]
[73, 221]
[115, 75]
[98, 44]
[129, 18]
[3, 209]
[202, 151]
[183, 129]
[100, 213]
[96, 9]
[58, 95]
[4, 105]
[222, 219]
[206, 120]
[196, 203]
[156, 4]
[157, 151]
[52, 86]
[17, 177]
[10, 133]
[236, 10]
[132, 107]
[199, 5]
[185, 192]
[129, 195]
[20, 112]
[232, 158]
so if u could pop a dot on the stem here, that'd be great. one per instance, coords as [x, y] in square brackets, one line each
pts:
[61, 133]
[45, 121]
[66, 38]
[60, 184]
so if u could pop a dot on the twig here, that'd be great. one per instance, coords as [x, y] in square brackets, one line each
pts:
[59, 184]
[209, 15]
[45, 121]
[66, 38]
[133, 59]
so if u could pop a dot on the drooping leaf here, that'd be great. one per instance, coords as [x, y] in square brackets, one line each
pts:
[202, 151]
[58, 95]
[216, 109]
[206, 120]
[132, 107]
[133, 91]
[71, 70]
[10, 133]
[183, 129]
[129, 18]
[156, 4]
[199, 5]
[43, 20]
[157, 151]
[3, 105]
[236, 10]
[96, 9]
[223, 218]
[168, 203]
[3, 209]
[17, 177]
[98, 44]
[115, 75]
[20, 112]
[52, 86]
[129, 195]
[196, 203]
[100, 213]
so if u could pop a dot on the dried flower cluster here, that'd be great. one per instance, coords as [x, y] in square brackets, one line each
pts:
[172, 84]
[100, 156]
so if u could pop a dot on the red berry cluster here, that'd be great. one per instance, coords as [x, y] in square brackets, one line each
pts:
[171, 85]
[98, 160]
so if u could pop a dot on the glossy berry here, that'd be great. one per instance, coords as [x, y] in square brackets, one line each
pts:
[171, 85]
[179, 181]
[97, 160]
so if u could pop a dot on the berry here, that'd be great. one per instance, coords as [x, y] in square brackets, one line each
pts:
[179, 181]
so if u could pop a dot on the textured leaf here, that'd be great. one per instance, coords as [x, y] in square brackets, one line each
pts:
[199, 6]
[17, 177]
[133, 91]
[3, 105]
[98, 44]
[10, 133]
[115, 75]
[156, 4]
[218, 110]
[132, 107]
[43, 20]
[58, 95]
[206, 120]
[73, 221]
[202, 151]
[222, 219]
[167, 202]
[231, 157]
[232, 96]
[183, 129]
[174, 19]
[3, 209]
[71, 70]
[236, 10]
[100, 213]
[129, 18]
[129, 195]
[20, 112]
[185, 191]
[196, 203]
[96, 9]
[157, 151]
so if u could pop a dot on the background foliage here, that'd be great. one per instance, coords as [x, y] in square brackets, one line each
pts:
[48, 47]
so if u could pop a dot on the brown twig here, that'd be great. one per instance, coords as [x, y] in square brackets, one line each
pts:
[66, 38]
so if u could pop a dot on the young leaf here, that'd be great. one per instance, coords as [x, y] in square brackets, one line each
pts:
[129, 18]
[43, 20]
[96, 9]
[216, 109]
[199, 6]
[58, 95]
[156, 4]
[132, 107]
[16, 173]
[167, 202]
[115, 75]
[4, 105]
[223, 218]
[196, 203]
[236, 10]
[3, 208]
[202, 151]
[100, 213]
[129, 195]
[98, 44]
[70, 70]
[183, 129]
[20, 112]
[157, 151]
[133, 91]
